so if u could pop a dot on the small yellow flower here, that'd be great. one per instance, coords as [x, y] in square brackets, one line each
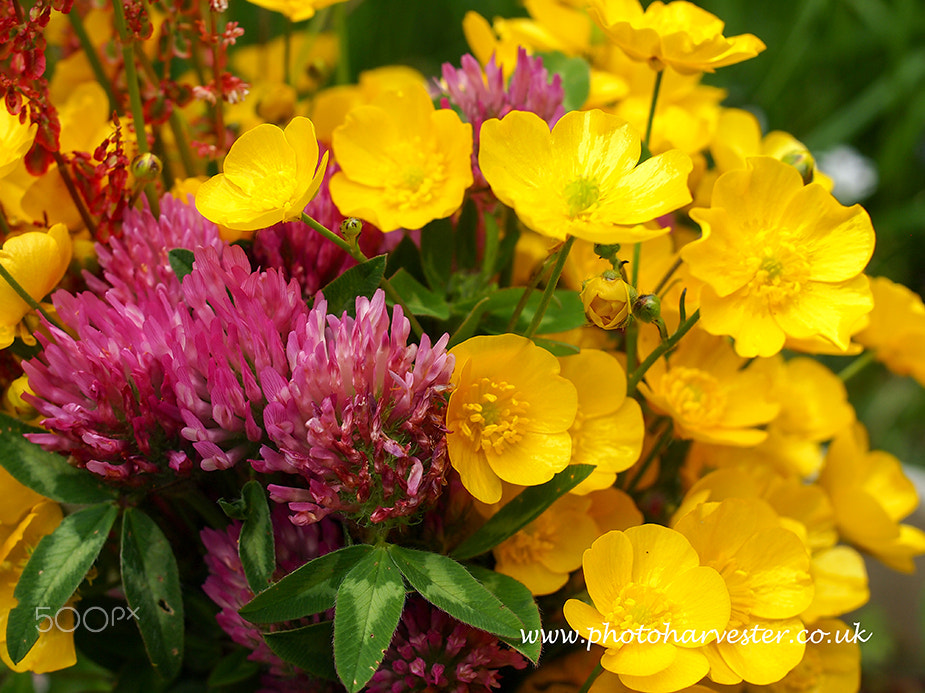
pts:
[678, 34]
[766, 569]
[780, 259]
[15, 140]
[647, 577]
[269, 176]
[508, 415]
[37, 261]
[581, 179]
[403, 163]
[25, 517]
[608, 300]
[296, 10]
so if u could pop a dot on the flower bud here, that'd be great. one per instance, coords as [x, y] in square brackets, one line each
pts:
[647, 308]
[608, 300]
[607, 251]
[350, 228]
[146, 168]
[802, 161]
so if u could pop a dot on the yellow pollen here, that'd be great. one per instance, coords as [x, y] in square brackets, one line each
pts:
[418, 176]
[581, 194]
[493, 415]
[781, 273]
[694, 394]
[638, 605]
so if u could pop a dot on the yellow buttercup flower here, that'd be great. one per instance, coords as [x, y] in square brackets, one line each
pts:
[608, 429]
[766, 569]
[15, 140]
[678, 34]
[840, 581]
[896, 331]
[25, 517]
[581, 179]
[296, 10]
[269, 176]
[508, 416]
[871, 495]
[543, 553]
[779, 259]
[707, 392]
[37, 261]
[403, 163]
[650, 577]
[833, 664]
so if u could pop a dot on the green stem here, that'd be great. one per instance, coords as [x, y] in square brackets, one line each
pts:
[856, 366]
[598, 670]
[632, 328]
[343, 60]
[525, 296]
[655, 90]
[219, 92]
[354, 251]
[668, 275]
[176, 123]
[661, 349]
[550, 287]
[25, 296]
[131, 77]
[87, 46]
[287, 53]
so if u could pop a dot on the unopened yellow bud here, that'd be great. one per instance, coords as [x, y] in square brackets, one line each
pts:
[608, 300]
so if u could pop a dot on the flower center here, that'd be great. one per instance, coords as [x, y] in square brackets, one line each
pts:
[637, 605]
[529, 545]
[417, 177]
[580, 195]
[694, 394]
[781, 274]
[493, 415]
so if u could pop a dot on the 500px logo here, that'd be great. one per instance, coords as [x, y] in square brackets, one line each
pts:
[93, 619]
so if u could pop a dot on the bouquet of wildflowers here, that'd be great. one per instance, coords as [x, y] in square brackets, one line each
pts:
[506, 377]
